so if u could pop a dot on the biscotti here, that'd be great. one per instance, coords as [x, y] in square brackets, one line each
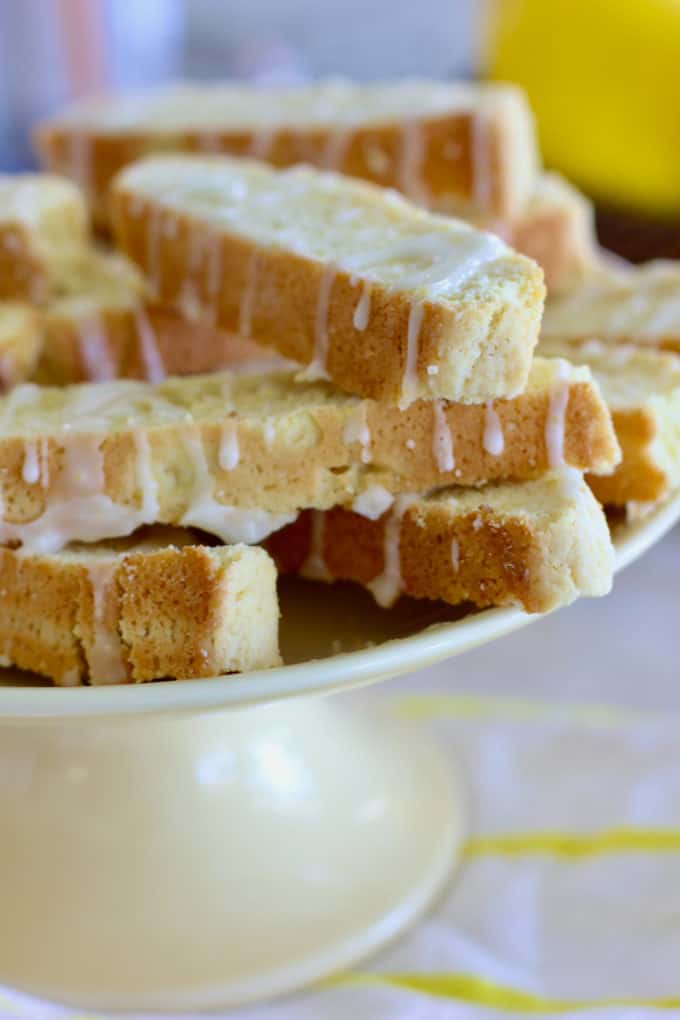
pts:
[620, 304]
[642, 390]
[239, 455]
[141, 610]
[464, 149]
[538, 545]
[21, 338]
[388, 301]
[100, 325]
[557, 230]
[40, 217]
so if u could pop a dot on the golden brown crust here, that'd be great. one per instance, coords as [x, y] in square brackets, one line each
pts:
[144, 615]
[538, 556]
[310, 452]
[474, 161]
[640, 477]
[557, 230]
[480, 344]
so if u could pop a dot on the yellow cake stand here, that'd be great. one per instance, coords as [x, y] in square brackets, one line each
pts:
[209, 843]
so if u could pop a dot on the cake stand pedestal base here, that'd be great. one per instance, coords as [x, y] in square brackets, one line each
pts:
[199, 861]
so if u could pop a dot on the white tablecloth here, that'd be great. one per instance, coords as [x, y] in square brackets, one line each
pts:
[568, 899]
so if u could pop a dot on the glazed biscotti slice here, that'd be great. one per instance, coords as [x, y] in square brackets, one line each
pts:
[557, 230]
[465, 149]
[41, 216]
[642, 390]
[21, 339]
[538, 545]
[146, 609]
[356, 283]
[620, 304]
[239, 455]
[100, 325]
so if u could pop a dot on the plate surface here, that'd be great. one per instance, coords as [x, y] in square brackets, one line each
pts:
[332, 637]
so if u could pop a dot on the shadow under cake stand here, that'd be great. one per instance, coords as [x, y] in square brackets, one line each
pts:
[215, 842]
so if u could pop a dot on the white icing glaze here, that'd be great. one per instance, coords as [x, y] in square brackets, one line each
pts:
[494, 442]
[229, 454]
[231, 524]
[30, 471]
[76, 507]
[433, 369]
[373, 502]
[409, 382]
[107, 662]
[150, 355]
[317, 366]
[555, 421]
[362, 311]
[388, 586]
[455, 555]
[269, 433]
[314, 567]
[357, 431]
[94, 349]
[411, 161]
[248, 297]
[442, 440]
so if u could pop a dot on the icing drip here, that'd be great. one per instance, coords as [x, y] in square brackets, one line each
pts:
[153, 250]
[482, 183]
[248, 297]
[409, 381]
[357, 431]
[107, 662]
[317, 367]
[44, 463]
[269, 433]
[80, 161]
[261, 144]
[150, 355]
[411, 162]
[94, 350]
[337, 143]
[231, 524]
[442, 440]
[388, 586]
[362, 310]
[190, 301]
[314, 567]
[30, 471]
[494, 443]
[76, 508]
[229, 454]
[455, 555]
[373, 502]
[214, 278]
[555, 422]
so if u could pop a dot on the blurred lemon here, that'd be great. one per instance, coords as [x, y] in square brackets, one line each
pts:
[603, 77]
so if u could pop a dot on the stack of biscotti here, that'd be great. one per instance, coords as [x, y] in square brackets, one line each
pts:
[70, 312]
[624, 323]
[463, 149]
[418, 447]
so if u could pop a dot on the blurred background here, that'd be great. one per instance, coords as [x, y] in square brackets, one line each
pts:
[601, 74]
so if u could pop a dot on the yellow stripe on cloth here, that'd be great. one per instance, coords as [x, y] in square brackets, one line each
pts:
[575, 844]
[423, 707]
[478, 991]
